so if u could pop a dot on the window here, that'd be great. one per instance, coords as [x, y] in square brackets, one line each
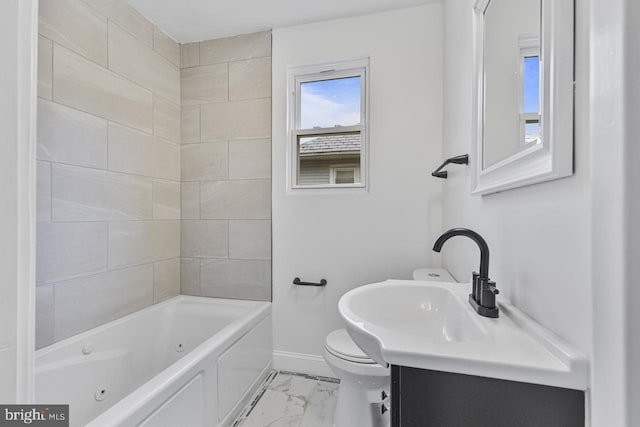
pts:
[529, 91]
[344, 174]
[328, 125]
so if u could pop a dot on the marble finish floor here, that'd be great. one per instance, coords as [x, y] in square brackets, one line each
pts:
[292, 400]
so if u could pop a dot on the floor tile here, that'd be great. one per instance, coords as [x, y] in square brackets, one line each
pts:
[292, 400]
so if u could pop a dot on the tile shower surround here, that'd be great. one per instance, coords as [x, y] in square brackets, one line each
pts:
[226, 167]
[109, 174]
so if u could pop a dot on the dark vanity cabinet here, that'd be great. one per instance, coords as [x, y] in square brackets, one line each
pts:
[426, 398]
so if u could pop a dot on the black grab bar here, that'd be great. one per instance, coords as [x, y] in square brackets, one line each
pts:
[298, 282]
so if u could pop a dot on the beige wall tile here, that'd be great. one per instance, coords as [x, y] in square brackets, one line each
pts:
[190, 276]
[44, 315]
[86, 86]
[73, 24]
[166, 279]
[201, 85]
[246, 46]
[45, 68]
[140, 242]
[70, 136]
[135, 152]
[120, 12]
[166, 159]
[68, 250]
[250, 79]
[250, 239]
[190, 53]
[247, 199]
[166, 199]
[205, 239]
[190, 124]
[43, 192]
[236, 120]
[81, 194]
[166, 119]
[250, 159]
[205, 162]
[138, 62]
[87, 302]
[166, 46]
[190, 205]
[226, 278]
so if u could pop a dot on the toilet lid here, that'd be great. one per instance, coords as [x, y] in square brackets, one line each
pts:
[340, 344]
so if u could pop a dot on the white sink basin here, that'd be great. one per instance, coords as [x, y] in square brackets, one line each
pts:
[432, 326]
[414, 310]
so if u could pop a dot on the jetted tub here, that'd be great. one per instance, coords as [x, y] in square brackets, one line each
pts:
[189, 361]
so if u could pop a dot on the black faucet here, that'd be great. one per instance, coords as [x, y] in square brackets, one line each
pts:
[483, 293]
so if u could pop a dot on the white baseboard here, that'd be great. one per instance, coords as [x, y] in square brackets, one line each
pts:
[311, 364]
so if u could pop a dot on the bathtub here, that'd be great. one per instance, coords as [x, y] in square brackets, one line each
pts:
[189, 361]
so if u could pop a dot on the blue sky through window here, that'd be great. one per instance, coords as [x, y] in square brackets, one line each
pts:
[531, 85]
[328, 103]
[532, 133]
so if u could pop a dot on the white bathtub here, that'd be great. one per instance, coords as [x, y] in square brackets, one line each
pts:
[189, 361]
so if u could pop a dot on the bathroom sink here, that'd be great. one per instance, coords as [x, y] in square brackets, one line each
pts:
[416, 311]
[430, 325]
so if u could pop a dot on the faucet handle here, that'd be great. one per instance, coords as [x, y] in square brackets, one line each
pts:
[492, 288]
[488, 295]
[475, 286]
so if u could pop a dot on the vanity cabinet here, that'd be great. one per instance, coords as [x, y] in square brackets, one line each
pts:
[426, 398]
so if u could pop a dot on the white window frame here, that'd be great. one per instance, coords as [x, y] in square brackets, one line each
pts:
[529, 46]
[319, 72]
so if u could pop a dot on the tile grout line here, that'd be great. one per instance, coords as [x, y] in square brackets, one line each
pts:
[51, 192]
[53, 304]
[52, 70]
[72, 165]
[153, 283]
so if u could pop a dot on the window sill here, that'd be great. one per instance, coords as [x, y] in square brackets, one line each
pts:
[328, 189]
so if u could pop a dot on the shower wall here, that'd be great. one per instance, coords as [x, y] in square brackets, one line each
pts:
[108, 208]
[226, 167]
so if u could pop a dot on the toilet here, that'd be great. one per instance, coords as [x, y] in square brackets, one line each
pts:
[361, 400]
[362, 382]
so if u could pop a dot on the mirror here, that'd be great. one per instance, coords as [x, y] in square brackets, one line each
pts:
[524, 92]
[511, 60]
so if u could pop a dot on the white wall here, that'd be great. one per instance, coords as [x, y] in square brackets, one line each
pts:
[18, 27]
[356, 238]
[539, 236]
[615, 59]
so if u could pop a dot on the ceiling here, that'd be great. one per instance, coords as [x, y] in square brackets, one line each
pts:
[196, 20]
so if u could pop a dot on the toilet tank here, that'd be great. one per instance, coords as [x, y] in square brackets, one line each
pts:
[433, 275]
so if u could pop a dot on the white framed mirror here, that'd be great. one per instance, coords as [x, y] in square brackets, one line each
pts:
[523, 87]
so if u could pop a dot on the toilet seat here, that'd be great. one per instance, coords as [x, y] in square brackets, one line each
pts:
[340, 345]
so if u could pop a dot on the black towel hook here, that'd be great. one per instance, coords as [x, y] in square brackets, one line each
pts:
[458, 160]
